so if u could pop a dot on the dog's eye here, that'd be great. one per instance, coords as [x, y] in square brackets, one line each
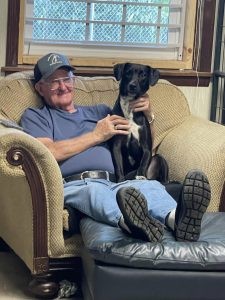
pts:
[143, 74]
[128, 73]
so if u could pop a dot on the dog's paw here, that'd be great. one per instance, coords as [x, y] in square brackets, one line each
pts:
[140, 177]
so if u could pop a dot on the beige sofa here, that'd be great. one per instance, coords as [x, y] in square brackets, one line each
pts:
[32, 216]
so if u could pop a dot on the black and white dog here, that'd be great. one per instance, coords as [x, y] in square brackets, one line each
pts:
[132, 154]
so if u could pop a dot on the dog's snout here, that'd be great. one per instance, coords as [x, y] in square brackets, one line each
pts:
[133, 86]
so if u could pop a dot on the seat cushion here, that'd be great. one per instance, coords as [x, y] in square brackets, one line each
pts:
[110, 245]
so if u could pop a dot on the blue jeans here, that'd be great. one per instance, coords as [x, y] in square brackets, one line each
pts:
[96, 198]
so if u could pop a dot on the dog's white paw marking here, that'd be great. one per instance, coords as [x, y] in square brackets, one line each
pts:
[140, 177]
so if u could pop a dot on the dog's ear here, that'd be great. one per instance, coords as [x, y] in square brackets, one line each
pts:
[154, 76]
[118, 71]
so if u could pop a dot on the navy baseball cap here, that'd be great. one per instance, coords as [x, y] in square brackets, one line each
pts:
[48, 64]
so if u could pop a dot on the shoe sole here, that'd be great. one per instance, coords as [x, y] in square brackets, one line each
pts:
[195, 199]
[134, 208]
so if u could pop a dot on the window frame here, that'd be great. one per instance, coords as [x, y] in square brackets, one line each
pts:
[173, 51]
[199, 73]
[99, 61]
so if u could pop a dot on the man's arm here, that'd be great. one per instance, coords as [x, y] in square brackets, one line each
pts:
[104, 130]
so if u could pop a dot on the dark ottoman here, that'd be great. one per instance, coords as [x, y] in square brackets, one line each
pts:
[118, 267]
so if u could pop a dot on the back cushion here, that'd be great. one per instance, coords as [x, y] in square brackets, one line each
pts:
[170, 107]
[17, 93]
[168, 103]
[94, 90]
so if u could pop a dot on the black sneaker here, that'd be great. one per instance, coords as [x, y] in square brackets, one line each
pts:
[134, 208]
[194, 200]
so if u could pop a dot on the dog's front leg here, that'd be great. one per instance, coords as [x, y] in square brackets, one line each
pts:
[144, 164]
[118, 160]
[146, 144]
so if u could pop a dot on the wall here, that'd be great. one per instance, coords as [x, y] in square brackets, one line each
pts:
[199, 98]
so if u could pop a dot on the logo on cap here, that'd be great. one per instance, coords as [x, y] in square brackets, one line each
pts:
[54, 59]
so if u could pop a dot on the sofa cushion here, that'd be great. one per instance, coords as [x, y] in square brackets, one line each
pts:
[110, 245]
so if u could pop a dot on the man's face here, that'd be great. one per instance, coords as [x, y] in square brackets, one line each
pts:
[57, 89]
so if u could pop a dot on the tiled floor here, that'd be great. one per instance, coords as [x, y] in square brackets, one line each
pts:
[14, 278]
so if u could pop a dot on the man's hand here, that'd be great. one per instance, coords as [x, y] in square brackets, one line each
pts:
[140, 104]
[110, 126]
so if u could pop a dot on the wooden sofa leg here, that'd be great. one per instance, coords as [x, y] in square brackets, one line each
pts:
[43, 286]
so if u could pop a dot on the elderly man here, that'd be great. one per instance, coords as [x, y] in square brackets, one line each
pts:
[77, 137]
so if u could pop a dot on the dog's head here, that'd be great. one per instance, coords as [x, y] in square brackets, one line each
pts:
[135, 79]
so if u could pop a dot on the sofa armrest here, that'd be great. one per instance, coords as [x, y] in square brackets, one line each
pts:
[31, 206]
[197, 144]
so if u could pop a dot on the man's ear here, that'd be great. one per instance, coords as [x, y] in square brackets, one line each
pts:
[154, 76]
[118, 71]
[37, 87]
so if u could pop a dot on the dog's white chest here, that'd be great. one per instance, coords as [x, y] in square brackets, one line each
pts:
[134, 129]
[128, 114]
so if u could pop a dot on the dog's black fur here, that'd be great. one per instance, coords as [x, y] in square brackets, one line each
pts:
[132, 154]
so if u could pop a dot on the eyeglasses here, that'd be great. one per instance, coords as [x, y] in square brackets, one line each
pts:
[55, 84]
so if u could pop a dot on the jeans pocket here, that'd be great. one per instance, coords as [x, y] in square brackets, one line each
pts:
[97, 181]
[75, 183]
[118, 185]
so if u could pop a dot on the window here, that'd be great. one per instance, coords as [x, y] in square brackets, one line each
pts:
[142, 23]
[101, 32]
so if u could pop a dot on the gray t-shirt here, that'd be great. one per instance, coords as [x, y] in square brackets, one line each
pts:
[59, 125]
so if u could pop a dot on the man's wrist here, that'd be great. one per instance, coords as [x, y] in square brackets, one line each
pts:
[151, 118]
